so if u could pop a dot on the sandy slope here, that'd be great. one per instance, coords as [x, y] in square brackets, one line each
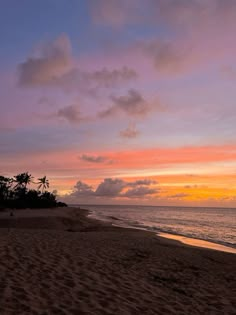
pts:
[46, 269]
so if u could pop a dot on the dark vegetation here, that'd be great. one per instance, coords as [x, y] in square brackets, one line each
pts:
[14, 193]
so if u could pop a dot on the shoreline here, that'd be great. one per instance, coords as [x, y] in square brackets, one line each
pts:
[186, 240]
[91, 222]
[94, 223]
[59, 261]
[194, 242]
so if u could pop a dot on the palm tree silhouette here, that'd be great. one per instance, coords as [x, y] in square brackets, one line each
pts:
[43, 183]
[22, 180]
[5, 185]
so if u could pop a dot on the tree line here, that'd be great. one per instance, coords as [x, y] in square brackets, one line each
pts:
[14, 192]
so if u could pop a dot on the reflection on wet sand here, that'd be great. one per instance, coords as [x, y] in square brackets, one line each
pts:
[198, 243]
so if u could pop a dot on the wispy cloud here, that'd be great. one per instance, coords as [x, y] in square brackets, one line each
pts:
[54, 66]
[177, 13]
[90, 81]
[115, 13]
[167, 57]
[94, 158]
[144, 182]
[199, 33]
[178, 196]
[132, 104]
[71, 114]
[130, 132]
[53, 61]
[140, 192]
[109, 78]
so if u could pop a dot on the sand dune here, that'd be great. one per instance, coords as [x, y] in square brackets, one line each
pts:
[64, 263]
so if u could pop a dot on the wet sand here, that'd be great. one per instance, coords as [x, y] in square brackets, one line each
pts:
[61, 262]
[198, 243]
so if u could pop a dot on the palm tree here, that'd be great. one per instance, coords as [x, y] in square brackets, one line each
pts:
[5, 185]
[43, 183]
[23, 180]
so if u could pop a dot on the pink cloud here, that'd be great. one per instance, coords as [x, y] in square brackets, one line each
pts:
[54, 66]
[53, 61]
[71, 113]
[132, 104]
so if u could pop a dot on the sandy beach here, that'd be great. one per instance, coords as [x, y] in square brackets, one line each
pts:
[61, 262]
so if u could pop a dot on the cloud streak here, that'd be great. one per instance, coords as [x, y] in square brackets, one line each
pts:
[143, 182]
[178, 196]
[93, 158]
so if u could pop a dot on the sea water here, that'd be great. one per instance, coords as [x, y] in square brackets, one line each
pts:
[216, 225]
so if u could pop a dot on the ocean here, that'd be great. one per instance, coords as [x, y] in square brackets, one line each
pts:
[215, 225]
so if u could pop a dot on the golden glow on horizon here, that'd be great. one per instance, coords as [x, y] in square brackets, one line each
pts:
[190, 174]
[185, 188]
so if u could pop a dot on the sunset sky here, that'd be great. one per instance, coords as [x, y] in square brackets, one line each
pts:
[121, 101]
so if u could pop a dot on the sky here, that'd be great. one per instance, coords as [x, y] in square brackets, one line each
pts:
[121, 102]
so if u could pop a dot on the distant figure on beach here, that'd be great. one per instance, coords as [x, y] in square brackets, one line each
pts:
[11, 214]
